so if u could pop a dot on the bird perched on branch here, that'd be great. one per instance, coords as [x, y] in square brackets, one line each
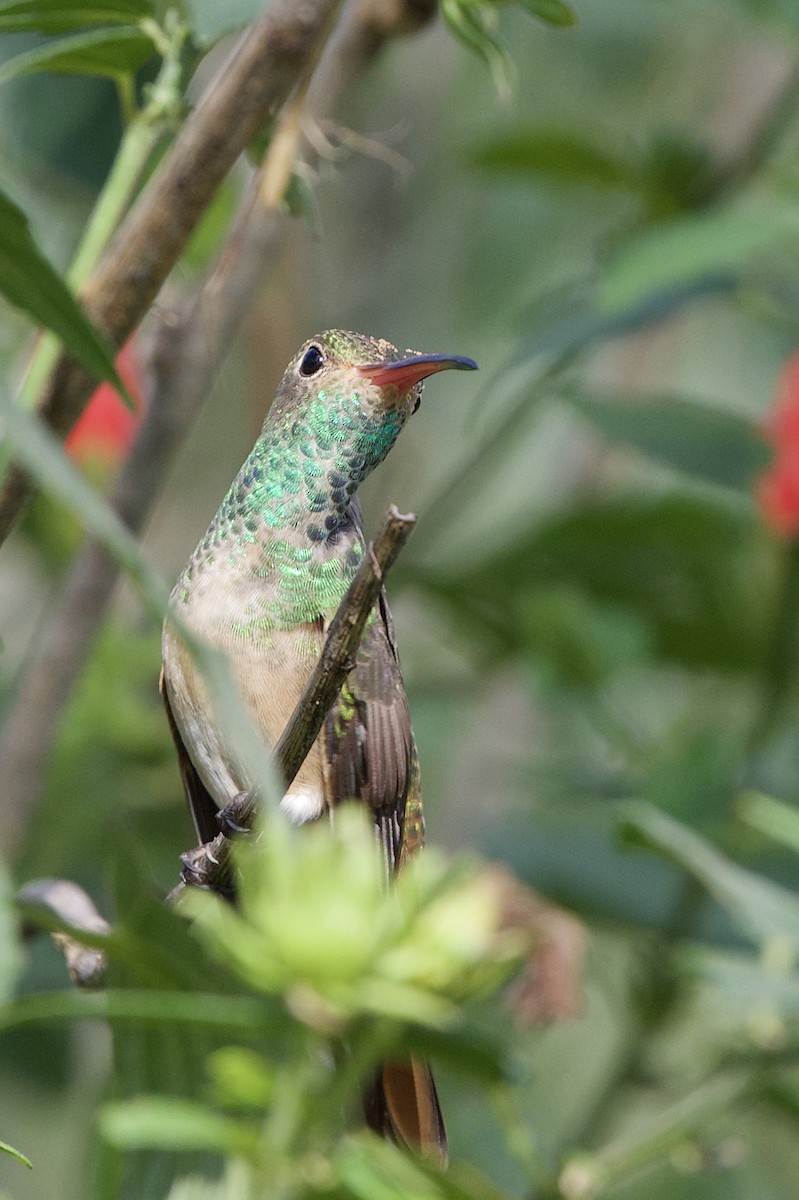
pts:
[262, 586]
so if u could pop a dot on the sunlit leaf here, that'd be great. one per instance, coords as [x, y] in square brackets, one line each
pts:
[240, 1078]
[718, 447]
[28, 281]
[772, 817]
[6, 1149]
[170, 1123]
[99, 52]
[62, 16]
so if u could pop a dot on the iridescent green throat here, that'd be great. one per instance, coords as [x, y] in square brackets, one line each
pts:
[285, 523]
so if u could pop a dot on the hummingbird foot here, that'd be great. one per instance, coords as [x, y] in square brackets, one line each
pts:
[194, 870]
[229, 818]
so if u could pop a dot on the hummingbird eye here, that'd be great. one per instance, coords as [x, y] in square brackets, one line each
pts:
[312, 361]
[417, 402]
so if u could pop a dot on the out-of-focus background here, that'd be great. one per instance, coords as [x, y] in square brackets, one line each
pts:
[599, 605]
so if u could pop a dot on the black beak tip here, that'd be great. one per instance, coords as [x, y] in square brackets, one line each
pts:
[461, 363]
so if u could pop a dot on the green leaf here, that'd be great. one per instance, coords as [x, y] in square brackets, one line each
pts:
[716, 446]
[35, 447]
[373, 1169]
[692, 570]
[169, 1123]
[6, 1149]
[473, 23]
[241, 1078]
[560, 156]
[29, 282]
[210, 20]
[553, 12]
[582, 642]
[772, 817]
[692, 248]
[763, 910]
[747, 987]
[62, 16]
[100, 52]
[158, 1008]
[10, 957]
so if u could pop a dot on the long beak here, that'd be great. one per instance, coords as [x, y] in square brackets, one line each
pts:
[404, 373]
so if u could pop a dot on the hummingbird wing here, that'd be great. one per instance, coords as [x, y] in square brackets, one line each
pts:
[369, 744]
[372, 757]
[368, 737]
[203, 807]
[402, 1105]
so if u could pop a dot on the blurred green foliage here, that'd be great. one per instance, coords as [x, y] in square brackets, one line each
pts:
[599, 632]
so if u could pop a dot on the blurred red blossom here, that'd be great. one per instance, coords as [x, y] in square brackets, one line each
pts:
[777, 489]
[106, 427]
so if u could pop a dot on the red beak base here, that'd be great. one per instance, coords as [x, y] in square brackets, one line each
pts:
[406, 372]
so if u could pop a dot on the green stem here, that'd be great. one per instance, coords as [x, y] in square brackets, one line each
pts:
[298, 1081]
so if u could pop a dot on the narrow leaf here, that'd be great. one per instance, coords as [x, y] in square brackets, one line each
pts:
[6, 1149]
[158, 1008]
[62, 16]
[553, 12]
[716, 446]
[560, 156]
[692, 248]
[762, 909]
[9, 939]
[29, 282]
[169, 1123]
[100, 52]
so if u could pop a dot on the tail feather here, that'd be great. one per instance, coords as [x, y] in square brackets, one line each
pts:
[402, 1105]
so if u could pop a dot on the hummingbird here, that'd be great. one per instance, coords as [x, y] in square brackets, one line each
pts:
[262, 586]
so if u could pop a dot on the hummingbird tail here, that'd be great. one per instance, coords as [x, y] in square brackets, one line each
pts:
[402, 1105]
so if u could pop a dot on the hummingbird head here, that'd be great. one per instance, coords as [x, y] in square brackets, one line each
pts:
[386, 381]
[338, 409]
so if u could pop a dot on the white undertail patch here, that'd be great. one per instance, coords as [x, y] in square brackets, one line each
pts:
[303, 803]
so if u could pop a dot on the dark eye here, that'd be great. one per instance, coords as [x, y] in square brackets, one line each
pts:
[312, 361]
[418, 402]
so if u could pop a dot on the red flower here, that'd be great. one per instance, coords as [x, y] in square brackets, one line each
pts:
[106, 427]
[777, 489]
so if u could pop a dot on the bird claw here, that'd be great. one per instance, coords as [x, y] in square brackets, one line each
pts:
[193, 870]
[228, 817]
[194, 873]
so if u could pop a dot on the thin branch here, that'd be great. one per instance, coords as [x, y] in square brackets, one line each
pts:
[256, 81]
[209, 865]
[189, 344]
